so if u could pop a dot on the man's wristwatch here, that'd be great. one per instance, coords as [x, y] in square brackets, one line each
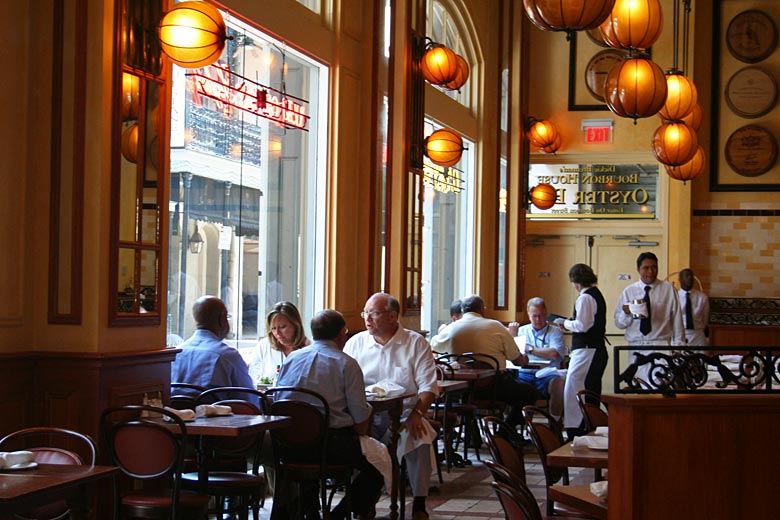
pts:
[530, 349]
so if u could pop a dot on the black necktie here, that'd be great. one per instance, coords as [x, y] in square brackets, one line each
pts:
[688, 311]
[645, 324]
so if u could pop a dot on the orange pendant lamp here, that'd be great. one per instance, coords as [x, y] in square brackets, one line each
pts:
[439, 64]
[674, 144]
[444, 147]
[635, 88]
[130, 143]
[131, 96]
[694, 117]
[193, 34]
[568, 15]
[633, 24]
[681, 96]
[543, 196]
[689, 170]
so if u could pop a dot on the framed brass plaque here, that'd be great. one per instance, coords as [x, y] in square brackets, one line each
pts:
[751, 36]
[751, 150]
[751, 92]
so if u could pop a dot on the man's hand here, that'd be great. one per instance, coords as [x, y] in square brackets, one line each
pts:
[513, 328]
[414, 423]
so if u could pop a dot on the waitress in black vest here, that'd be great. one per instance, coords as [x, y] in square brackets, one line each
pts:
[589, 356]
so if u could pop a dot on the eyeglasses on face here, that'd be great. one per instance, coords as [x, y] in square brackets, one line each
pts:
[374, 314]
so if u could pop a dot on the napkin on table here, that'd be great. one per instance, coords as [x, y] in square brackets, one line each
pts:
[602, 431]
[599, 488]
[210, 410]
[184, 415]
[591, 441]
[14, 458]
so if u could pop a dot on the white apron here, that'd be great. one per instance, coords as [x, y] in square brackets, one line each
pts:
[579, 364]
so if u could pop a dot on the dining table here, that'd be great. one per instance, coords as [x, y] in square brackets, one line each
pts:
[46, 483]
[578, 457]
[448, 390]
[580, 498]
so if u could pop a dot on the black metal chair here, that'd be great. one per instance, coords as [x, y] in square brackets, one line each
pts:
[51, 445]
[505, 445]
[150, 456]
[300, 450]
[593, 409]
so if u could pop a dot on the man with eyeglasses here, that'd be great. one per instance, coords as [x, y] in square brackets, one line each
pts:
[387, 351]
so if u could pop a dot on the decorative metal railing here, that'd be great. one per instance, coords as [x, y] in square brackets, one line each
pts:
[717, 369]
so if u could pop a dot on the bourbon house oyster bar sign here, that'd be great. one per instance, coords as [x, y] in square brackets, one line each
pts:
[597, 191]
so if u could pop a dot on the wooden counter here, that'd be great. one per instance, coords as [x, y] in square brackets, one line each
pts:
[693, 456]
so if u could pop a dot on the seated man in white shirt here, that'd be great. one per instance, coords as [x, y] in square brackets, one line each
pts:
[545, 349]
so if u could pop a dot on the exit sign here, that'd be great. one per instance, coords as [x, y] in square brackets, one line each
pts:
[597, 131]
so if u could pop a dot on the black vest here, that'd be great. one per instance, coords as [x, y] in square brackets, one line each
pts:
[594, 337]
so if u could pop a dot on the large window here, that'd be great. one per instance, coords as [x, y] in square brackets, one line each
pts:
[245, 216]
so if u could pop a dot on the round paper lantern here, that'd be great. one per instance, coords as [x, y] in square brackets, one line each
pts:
[693, 119]
[131, 95]
[444, 147]
[633, 24]
[542, 133]
[571, 15]
[439, 64]
[554, 146]
[689, 170]
[635, 88]
[543, 196]
[681, 96]
[461, 77]
[130, 143]
[674, 144]
[193, 34]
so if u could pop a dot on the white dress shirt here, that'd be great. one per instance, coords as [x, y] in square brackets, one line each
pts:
[406, 360]
[700, 304]
[475, 333]
[264, 361]
[666, 324]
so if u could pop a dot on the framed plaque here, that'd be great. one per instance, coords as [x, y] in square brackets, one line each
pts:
[751, 92]
[745, 118]
[597, 70]
[751, 36]
[751, 150]
[589, 65]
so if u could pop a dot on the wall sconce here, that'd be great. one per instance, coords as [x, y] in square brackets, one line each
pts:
[193, 34]
[568, 16]
[544, 135]
[543, 196]
[130, 143]
[444, 147]
[196, 241]
[442, 67]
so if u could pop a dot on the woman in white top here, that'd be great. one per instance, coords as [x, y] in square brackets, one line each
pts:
[283, 333]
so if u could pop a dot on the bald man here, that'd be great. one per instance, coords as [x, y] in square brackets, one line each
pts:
[205, 359]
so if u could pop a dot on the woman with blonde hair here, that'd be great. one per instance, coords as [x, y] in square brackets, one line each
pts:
[284, 333]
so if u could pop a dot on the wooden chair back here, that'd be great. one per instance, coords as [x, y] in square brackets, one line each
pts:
[515, 505]
[504, 444]
[593, 410]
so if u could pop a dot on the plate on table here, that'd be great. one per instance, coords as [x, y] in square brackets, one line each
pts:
[21, 467]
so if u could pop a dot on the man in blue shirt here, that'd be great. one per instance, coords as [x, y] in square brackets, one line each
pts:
[205, 359]
[546, 351]
[337, 377]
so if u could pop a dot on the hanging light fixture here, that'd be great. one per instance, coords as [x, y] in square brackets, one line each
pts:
[439, 64]
[193, 34]
[544, 135]
[444, 147]
[543, 196]
[682, 95]
[635, 88]
[131, 96]
[674, 143]
[569, 16]
[694, 117]
[196, 241]
[461, 77]
[130, 143]
[633, 24]
[691, 169]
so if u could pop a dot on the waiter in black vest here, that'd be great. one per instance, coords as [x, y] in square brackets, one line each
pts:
[588, 350]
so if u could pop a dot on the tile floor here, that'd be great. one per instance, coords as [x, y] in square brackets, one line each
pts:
[466, 494]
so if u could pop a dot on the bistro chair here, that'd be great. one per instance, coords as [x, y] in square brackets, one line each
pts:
[547, 436]
[300, 450]
[150, 455]
[505, 445]
[51, 445]
[184, 395]
[235, 489]
[593, 409]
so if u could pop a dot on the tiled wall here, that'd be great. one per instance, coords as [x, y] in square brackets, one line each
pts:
[736, 253]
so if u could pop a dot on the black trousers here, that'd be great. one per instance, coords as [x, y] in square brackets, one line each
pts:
[515, 394]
